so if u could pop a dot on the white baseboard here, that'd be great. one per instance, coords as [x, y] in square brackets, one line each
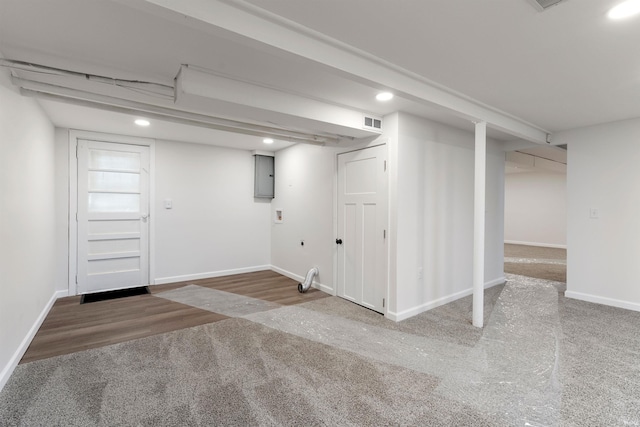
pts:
[495, 282]
[315, 284]
[405, 314]
[24, 345]
[209, 275]
[541, 245]
[603, 300]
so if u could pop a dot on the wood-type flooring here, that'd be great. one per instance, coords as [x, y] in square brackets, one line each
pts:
[70, 326]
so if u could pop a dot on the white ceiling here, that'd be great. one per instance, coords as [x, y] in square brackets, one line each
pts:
[82, 118]
[563, 68]
[554, 154]
[540, 158]
[567, 67]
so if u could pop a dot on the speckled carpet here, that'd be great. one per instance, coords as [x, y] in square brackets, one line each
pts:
[534, 261]
[233, 373]
[541, 359]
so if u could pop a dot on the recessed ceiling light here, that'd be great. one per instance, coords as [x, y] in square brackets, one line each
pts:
[625, 9]
[268, 141]
[142, 122]
[384, 96]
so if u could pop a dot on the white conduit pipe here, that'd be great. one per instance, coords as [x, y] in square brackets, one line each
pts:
[304, 287]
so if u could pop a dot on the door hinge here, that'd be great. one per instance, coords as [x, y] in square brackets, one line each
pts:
[385, 165]
[382, 302]
[384, 234]
[76, 216]
[76, 151]
[76, 279]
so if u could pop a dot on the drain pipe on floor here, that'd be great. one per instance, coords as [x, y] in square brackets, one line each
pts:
[304, 287]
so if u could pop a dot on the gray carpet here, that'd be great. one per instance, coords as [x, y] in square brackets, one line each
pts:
[532, 261]
[216, 301]
[539, 252]
[542, 360]
[234, 373]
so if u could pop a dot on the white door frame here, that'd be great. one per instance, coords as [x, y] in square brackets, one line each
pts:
[74, 135]
[376, 143]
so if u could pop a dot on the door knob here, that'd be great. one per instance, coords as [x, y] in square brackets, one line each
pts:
[338, 241]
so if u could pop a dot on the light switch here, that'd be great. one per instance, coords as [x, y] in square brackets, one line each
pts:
[168, 203]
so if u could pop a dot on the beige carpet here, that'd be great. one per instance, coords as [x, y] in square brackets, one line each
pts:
[237, 372]
[523, 251]
[541, 360]
[537, 262]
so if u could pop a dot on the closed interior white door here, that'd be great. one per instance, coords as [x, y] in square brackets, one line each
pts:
[362, 219]
[113, 219]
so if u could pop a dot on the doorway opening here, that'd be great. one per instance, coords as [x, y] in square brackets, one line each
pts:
[535, 214]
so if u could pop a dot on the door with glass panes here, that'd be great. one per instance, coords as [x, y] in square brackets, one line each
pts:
[113, 216]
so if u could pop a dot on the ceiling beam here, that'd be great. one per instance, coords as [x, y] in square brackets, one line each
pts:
[204, 90]
[249, 22]
[94, 100]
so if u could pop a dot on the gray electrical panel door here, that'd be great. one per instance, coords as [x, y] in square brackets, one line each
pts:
[264, 179]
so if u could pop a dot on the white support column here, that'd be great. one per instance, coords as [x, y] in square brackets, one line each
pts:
[478, 223]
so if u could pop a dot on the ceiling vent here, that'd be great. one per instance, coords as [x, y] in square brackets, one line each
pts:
[541, 5]
[372, 123]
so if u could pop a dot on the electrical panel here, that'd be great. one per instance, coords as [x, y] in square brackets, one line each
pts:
[264, 184]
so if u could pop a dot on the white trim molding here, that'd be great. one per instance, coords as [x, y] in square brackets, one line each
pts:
[24, 345]
[209, 275]
[405, 314]
[628, 305]
[540, 245]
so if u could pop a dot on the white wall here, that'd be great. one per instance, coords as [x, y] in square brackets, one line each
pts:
[62, 209]
[430, 215]
[603, 253]
[304, 191]
[27, 222]
[215, 226]
[536, 208]
[494, 215]
[391, 133]
[434, 224]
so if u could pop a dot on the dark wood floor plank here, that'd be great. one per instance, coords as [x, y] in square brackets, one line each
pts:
[102, 327]
[266, 285]
[71, 326]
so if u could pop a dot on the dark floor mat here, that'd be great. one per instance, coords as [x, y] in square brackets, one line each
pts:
[120, 293]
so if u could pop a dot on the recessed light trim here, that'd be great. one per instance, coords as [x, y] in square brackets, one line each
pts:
[142, 122]
[384, 96]
[625, 9]
[268, 141]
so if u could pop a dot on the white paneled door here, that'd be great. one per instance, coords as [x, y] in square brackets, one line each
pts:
[113, 216]
[362, 222]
